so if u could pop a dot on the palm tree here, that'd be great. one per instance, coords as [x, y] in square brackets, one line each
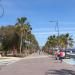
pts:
[61, 41]
[68, 41]
[53, 41]
[21, 23]
[65, 41]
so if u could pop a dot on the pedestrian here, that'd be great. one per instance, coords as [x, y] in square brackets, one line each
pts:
[61, 56]
[50, 51]
[56, 55]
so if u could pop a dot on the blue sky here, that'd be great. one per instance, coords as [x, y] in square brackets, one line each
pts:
[39, 13]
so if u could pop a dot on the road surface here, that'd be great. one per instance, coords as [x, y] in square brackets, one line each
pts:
[40, 65]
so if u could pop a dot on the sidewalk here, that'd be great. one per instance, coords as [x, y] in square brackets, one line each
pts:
[10, 60]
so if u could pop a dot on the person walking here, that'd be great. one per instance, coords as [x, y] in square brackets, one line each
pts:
[56, 54]
[61, 56]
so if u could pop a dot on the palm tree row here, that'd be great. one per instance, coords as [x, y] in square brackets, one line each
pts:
[18, 38]
[64, 41]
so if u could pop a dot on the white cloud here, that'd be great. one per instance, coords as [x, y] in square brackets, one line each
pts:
[46, 33]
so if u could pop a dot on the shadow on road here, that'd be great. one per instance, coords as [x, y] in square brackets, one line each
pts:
[60, 72]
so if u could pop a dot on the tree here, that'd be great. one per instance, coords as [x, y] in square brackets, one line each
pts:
[21, 23]
[10, 39]
[68, 41]
[65, 41]
[14, 37]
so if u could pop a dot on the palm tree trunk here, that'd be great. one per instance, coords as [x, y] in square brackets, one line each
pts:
[65, 51]
[21, 43]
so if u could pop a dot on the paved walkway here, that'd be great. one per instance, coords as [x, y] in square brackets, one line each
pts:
[40, 65]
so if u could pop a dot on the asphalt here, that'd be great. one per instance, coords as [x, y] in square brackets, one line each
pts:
[36, 64]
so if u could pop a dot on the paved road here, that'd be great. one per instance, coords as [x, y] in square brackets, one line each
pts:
[40, 65]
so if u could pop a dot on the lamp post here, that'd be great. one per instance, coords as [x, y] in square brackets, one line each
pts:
[57, 31]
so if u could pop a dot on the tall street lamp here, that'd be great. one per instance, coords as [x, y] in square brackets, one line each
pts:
[57, 31]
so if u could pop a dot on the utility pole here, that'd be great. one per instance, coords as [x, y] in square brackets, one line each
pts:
[2, 9]
[57, 31]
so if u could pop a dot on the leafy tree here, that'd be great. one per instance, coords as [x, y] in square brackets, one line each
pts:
[65, 41]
